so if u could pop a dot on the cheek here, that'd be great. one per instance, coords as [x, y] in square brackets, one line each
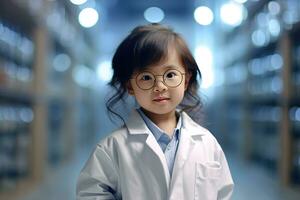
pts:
[186, 84]
[141, 96]
[135, 89]
[143, 100]
[182, 93]
[179, 93]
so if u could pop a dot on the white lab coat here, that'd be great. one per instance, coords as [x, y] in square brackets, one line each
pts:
[130, 165]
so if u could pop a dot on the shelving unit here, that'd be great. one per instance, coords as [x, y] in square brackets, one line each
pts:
[38, 96]
[17, 46]
[261, 87]
[294, 101]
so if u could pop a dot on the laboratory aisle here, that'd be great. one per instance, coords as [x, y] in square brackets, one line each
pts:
[53, 88]
[251, 182]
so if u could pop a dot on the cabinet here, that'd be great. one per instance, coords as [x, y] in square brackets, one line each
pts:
[293, 105]
[261, 87]
[17, 99]
[38, 97]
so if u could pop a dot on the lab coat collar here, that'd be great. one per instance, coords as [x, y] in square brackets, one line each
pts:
[136, 125]
[193, 129]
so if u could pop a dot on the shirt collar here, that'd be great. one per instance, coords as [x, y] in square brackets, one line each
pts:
[156, 131]
[136, 125]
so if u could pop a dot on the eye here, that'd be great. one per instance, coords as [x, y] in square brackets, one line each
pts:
[171, 74]
[146, 78]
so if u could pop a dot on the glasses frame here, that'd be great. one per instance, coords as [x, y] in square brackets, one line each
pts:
[155, 79]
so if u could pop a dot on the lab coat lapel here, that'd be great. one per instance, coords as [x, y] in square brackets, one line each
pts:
[185, 146]
[189, 133]
[154, 146]
[137, 126]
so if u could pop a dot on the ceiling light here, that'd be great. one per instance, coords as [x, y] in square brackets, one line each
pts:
[88, 17]
[203, 15]
[241, 1]
[204, 59]
[232, 13]
[104, 71]
[154, 14]
[78, 2]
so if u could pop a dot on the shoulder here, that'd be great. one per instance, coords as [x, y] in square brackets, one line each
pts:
[114, 138]
[110, 146]
[198, 132]
[208, 141]
[193, 127]
[208, 136]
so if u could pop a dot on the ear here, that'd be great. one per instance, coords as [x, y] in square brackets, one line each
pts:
[129, 88]
[187, 80]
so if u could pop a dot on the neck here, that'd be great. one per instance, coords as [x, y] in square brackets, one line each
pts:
[166, 122]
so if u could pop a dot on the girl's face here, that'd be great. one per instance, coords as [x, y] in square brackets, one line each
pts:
[160, 88]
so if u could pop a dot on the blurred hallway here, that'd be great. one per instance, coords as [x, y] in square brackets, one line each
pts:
[55, 63]
[250, 179]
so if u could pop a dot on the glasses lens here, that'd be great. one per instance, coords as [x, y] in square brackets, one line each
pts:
[145, 80]
[172, 78]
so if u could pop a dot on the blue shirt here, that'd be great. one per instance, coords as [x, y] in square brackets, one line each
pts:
[168, 145]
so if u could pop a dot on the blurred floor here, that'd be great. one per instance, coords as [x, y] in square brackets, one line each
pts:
[61, 184]
[251, 182]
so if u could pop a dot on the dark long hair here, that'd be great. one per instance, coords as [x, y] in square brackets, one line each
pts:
[147, 45]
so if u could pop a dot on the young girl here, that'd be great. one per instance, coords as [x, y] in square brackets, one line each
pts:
[160, 153]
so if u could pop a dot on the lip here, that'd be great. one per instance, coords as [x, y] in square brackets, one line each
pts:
[161, 99]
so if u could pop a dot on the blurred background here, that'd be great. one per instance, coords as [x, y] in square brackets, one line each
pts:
[55, 62]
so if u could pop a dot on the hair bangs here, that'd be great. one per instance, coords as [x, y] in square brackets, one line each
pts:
[152, 49]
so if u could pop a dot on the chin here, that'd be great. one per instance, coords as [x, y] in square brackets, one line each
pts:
[159, 110]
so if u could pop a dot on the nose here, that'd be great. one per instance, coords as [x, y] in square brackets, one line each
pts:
[159, 85]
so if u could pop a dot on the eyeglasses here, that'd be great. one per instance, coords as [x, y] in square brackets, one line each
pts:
[171, 78]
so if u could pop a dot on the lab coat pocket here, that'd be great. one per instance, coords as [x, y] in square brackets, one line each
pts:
[207, 177]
